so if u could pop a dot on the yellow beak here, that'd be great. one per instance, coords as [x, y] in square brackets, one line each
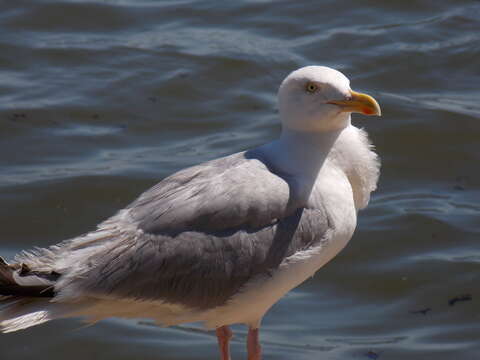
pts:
[359, 103]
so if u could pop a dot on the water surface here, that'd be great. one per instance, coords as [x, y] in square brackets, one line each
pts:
[101, 99]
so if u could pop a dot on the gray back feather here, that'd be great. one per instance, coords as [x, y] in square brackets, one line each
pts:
[223, 194]
[199, 235]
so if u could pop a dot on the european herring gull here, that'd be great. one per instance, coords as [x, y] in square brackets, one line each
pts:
[219, 242]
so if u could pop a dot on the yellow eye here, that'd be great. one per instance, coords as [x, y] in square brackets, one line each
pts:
[311, 87]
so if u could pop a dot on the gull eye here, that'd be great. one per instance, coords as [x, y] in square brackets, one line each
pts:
[311, 87]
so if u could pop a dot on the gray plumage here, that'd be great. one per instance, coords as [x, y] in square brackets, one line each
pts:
[195, 238]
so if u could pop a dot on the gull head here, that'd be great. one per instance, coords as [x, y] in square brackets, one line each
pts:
[319, 98]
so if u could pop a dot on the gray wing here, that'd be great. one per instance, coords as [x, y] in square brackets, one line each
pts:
[234, 192]
[200, 235]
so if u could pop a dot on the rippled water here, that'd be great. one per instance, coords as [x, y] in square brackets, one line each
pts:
[101, 99]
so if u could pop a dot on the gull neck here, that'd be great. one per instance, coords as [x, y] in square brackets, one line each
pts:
[300, 154]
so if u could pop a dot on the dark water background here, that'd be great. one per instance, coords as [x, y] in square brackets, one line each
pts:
[101, 99]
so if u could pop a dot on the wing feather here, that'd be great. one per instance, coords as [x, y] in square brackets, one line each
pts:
[195, 238]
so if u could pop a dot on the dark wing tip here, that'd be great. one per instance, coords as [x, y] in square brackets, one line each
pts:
[9, 287]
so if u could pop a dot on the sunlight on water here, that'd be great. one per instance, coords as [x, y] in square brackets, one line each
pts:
[101, 99]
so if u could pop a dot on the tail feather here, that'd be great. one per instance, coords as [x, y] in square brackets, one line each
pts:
[21, 313]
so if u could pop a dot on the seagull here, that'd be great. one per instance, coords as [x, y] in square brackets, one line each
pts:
[220, 242]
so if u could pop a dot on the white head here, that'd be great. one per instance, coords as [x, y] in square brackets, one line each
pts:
[318, 98]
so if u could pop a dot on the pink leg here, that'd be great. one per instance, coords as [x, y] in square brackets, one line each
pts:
[224, 334]
[253, 345]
